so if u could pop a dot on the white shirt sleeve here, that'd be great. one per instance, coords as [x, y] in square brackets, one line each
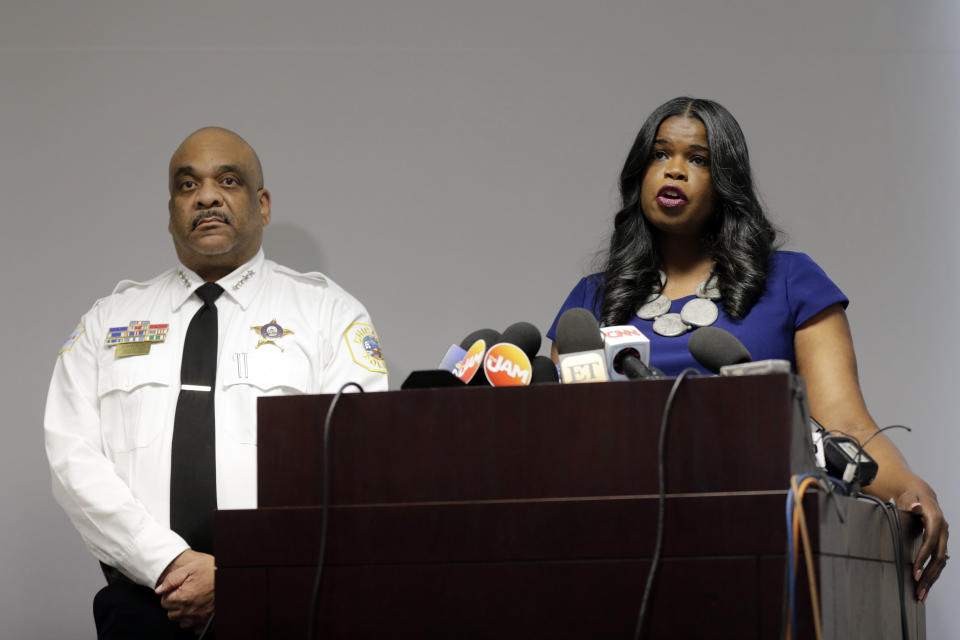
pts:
[351, 346]
[114, 524]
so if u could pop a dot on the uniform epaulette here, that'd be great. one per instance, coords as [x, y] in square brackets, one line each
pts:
[124, 285]
[313, 277]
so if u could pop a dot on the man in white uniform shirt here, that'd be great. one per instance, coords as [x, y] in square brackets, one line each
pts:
[113, 399]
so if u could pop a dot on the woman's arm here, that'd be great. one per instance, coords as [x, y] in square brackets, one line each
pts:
[825, 358]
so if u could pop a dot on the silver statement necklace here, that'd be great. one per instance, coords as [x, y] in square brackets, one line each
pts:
[699, 312]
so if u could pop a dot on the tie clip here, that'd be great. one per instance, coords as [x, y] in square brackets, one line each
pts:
[194, 387]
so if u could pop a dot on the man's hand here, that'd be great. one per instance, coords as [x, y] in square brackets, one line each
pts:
[186, 589]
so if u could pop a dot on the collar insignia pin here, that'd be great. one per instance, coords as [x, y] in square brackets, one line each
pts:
[249, 273]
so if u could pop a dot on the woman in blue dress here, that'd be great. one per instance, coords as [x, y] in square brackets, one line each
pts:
[692, 246]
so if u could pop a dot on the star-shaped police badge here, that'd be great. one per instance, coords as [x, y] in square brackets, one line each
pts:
[271, 332]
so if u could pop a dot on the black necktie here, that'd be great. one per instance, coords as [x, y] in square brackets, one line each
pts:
[193, 472]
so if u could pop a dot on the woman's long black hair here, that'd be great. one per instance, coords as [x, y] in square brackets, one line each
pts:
[738, 234]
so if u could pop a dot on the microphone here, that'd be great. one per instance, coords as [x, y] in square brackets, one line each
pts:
[472, 363]
[627, 353]
[524, 335]
[506, 365]
[443, 376]
[720, 352]
[470, 368]
[580, 346]
[544, 371]
[453, 355]
[714, 347]
[489, 336]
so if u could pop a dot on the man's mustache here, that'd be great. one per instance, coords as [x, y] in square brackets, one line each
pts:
[206, 215]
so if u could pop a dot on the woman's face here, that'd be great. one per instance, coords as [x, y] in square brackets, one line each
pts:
[676, 195]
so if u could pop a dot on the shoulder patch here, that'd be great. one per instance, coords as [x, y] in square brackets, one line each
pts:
[72, 339]
[364, 347]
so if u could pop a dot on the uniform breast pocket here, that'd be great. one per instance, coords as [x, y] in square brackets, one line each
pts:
[134, 400]
[255, 374]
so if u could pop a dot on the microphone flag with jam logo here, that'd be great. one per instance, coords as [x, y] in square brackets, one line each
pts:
[468, 366]
[506, 365]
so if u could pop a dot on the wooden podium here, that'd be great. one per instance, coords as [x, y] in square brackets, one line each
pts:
[531, 512]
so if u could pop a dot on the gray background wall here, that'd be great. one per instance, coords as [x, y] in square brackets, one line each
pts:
[453, 164]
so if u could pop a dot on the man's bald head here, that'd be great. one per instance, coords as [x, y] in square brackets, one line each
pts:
[218, 206]
[225, 143]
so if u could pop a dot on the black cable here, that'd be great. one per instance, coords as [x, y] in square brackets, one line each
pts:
[206, 627]
[799, 389]
[893, 521]
[325, 506]
[862, 446]
[655, 561]
[898, 561]
[879, 431]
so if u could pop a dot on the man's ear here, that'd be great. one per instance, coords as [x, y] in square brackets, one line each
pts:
[263, 197]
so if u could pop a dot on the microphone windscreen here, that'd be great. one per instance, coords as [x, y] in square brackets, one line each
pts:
[489, 336]
[578, 330]
[431, 378]
[714, 347]
[544, 370]
[524, 335]
[453, 355]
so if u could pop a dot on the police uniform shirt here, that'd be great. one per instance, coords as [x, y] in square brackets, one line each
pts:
[109, 419]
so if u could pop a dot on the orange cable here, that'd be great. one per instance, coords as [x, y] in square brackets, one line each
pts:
[800, 521]
[796, 544]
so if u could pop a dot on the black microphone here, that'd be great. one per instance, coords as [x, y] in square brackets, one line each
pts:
[510, 361]
[580, 346]
[524, 335]
[714, 347]
[544, 370]
[490, 336]
[720, 352]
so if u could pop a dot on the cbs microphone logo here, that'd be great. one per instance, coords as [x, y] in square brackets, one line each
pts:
[506, 365]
